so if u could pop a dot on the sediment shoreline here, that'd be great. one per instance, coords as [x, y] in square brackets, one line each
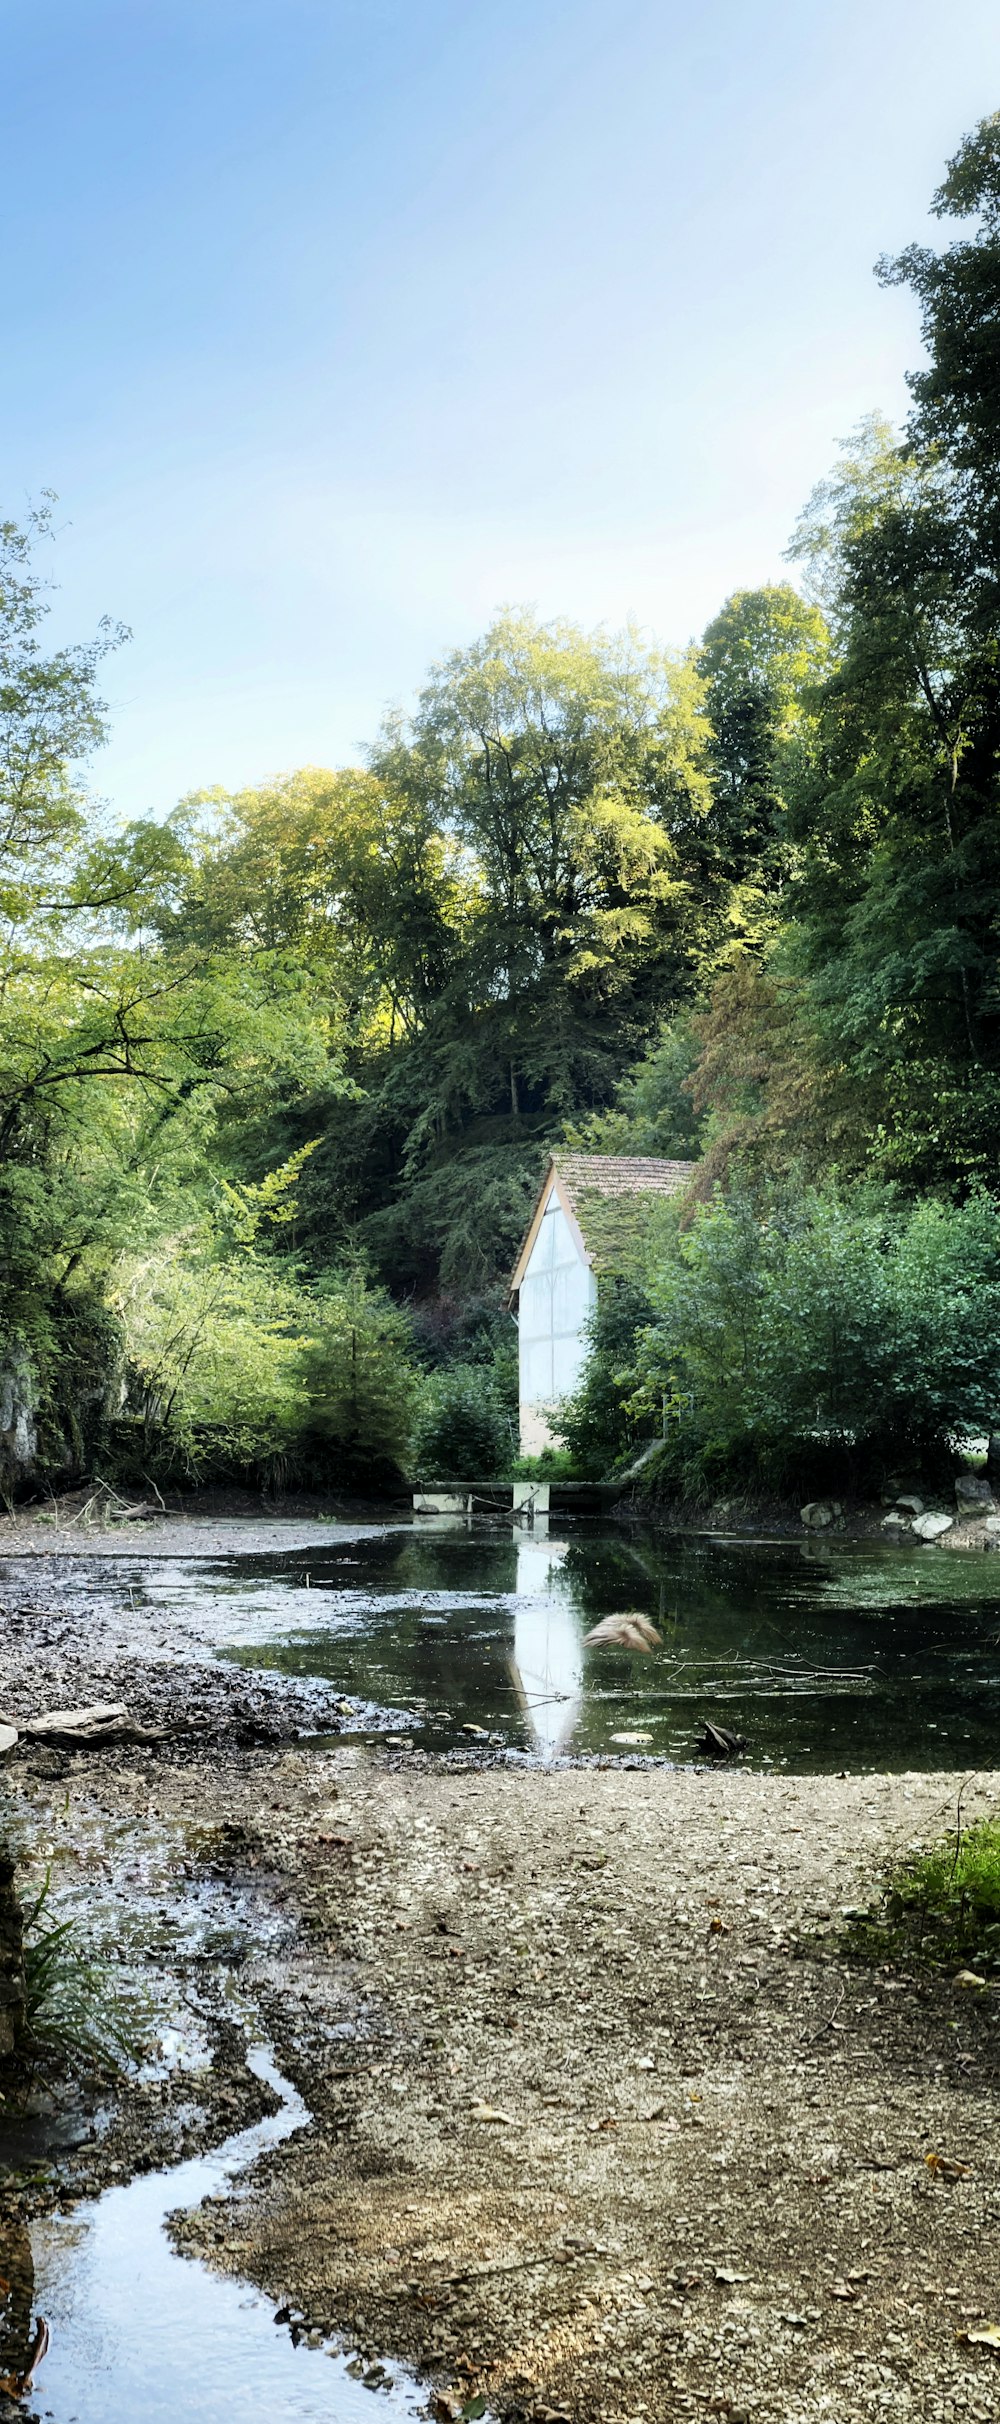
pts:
[600, 2128]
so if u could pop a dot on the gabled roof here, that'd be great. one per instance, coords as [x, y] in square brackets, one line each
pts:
[605, 1197]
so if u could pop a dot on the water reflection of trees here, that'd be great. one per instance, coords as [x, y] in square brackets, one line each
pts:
[824, 1659]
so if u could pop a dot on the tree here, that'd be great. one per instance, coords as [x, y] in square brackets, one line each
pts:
[571, 771]
[361, 1380]
[462, 1432]
[955, 394]
[50, 719]
[896, 811]
[760, 660]
[818, 1334]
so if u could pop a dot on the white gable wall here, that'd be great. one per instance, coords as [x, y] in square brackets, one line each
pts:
[557, 1295]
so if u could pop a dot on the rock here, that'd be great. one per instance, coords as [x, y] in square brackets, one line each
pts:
[930, 1527]
[894, 1521]
[974, 1497]
[8, 1737]
[819, 1513]
[626, 1632]
[910, 1506]
[88, 1729]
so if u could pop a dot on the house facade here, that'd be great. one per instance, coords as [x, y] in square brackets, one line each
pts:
[590, 1211]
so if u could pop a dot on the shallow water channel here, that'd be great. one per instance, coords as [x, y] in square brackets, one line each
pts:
[824, 1657]
[141, 2335]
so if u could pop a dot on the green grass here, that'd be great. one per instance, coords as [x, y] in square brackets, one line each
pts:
[554, 1464]
[74, 2008]
[940, 1905]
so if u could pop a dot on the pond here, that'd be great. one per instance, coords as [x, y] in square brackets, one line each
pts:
[824, 1656]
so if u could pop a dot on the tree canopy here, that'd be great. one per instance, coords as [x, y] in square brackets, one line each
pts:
[739, 902]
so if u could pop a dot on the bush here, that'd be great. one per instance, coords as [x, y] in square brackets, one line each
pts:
[818, 1332]
[598, 1426]
[215, 1345]
[551, 1464]
[462, 1432]
[360, 1379]
[940, 1905]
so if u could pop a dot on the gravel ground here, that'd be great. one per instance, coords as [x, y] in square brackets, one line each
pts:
[600, 2129]
[600, 2070]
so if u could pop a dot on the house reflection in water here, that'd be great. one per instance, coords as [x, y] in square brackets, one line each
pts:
[547, 1661]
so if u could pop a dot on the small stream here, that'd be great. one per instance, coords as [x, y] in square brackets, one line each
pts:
[142, 2335]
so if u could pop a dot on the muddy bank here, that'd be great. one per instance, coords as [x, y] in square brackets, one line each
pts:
[571, 2062]
[66, 1642]
[598, 2129]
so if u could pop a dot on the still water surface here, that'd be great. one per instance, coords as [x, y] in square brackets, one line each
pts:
[824, 1657]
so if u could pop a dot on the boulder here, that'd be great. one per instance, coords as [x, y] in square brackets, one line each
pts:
[819, 1513]
[930, 1527]
[910, 1506]
[89, 1729]
[974, 1497]
[895, 1521]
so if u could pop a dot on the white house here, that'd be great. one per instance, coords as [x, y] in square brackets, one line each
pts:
[590, 1207]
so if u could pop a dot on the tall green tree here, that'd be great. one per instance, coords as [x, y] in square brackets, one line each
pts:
[761, 659]
[897, 808]
[956, 410]
[571, 770]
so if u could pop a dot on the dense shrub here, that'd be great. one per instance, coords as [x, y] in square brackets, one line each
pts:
[940, 1904]
[463, 1432]
[821, 1330]
[599, 1427]
[360, 1378]
[215, 1342]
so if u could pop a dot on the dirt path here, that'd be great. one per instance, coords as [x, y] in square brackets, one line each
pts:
[569, 2071]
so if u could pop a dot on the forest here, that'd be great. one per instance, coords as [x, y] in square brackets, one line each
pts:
[278, 1076]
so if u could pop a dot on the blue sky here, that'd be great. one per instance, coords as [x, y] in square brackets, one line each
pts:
[337, 323]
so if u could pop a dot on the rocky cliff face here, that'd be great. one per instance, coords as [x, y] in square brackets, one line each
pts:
[18, 1420]
[61, 1384]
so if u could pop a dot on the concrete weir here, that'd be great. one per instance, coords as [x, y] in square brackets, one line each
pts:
[523, 1500]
